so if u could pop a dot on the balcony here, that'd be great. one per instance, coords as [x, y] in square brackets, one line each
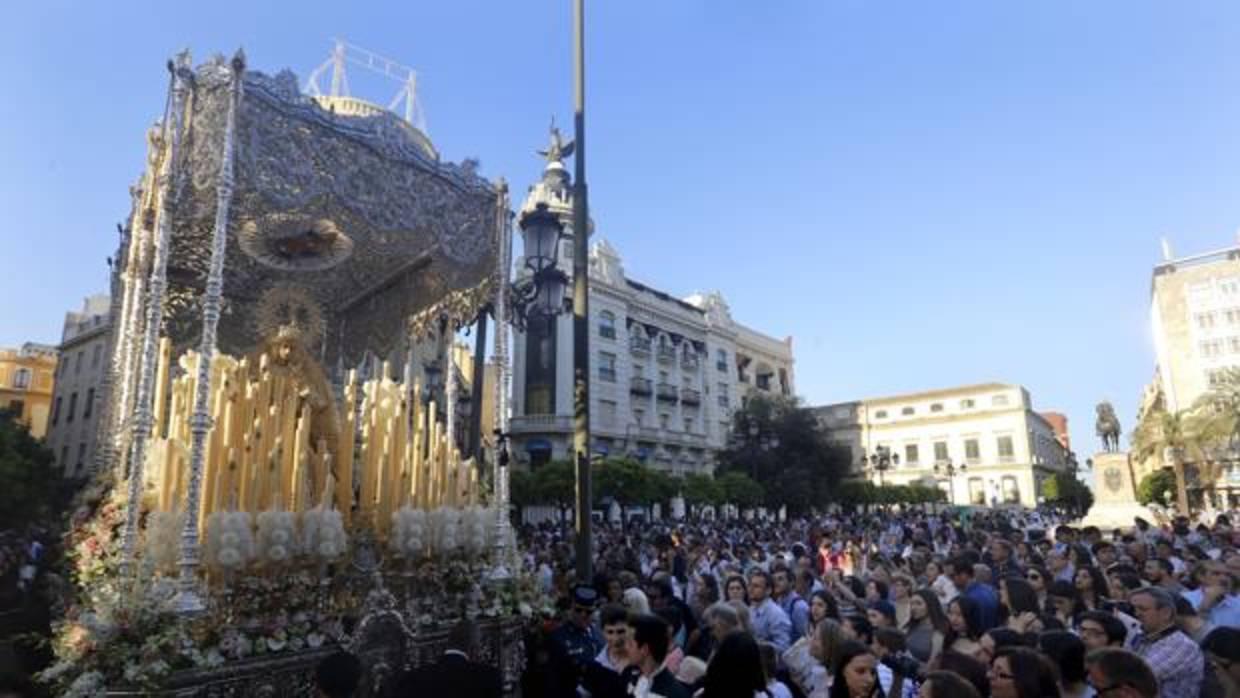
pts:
[690, 396]
[640, 386]
[639, 346]
[541, 424]
[689, 362]
[667, 354]
[667, 392]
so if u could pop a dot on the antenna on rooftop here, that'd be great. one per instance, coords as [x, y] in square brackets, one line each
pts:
[405, 103]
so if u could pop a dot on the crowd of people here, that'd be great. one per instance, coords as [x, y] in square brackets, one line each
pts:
[960, 604]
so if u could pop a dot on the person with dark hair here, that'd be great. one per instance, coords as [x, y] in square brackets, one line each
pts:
[996, 639]
[1174, 657]
[1100, 629]
[1065, 601]
[1118, 673]
[966, 666]
[1018, 603]
[790, 602]
[1105, 554]
[1091, 584]
[855, 673]
[859, 628]
[1067, 652]
[338, 675]
[881, 614]
[1222, 650]
[615, 621]
[1161, 573]
[1019, 672]
[1002, 561]
[1188, 621]
[671, 615]
[947, 684]
[770, 623]
[734, 589]
[1040, 579]
[775, 688]
[647, 674]
[964, 626]
[736, 669]
[927, 626]
[455, 674]
[822, 605]
[982, 595]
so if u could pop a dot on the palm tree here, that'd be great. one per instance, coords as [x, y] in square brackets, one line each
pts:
[1164, 435]
[1215, 420]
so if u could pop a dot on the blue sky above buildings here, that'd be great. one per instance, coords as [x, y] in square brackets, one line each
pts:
[922, 194]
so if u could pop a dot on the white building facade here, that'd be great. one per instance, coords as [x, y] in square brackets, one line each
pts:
[981, 444]
[1195, 322]
[665, 373]
[77, 397]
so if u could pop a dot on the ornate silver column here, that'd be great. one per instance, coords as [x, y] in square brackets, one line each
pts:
[118, 289]
[503, 251]
[143, 419]
[188, 600]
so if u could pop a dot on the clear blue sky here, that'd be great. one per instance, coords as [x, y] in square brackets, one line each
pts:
[921, 193]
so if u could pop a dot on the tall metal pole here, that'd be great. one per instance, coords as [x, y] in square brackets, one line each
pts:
[581, 304]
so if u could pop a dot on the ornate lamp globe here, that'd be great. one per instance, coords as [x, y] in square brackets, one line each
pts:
[540, 231]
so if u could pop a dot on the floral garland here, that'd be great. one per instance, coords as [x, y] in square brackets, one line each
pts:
[114, 635]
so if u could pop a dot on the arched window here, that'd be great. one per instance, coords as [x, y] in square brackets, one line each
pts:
[21, 379]
[607, 324]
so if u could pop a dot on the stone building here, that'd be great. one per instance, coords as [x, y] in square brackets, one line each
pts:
[84, 363]
[982, 444]
[665, 372]
[26, 377]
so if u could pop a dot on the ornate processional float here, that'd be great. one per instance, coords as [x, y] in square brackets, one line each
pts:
[278, 478]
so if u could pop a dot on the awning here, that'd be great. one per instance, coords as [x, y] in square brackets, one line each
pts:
[537, 445]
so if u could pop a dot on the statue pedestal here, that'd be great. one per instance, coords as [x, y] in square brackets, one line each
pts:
[1115, 494]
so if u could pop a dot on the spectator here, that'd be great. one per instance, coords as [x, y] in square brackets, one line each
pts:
[736, 669]
[770, 623]
[1067, 652]
[1173, 656]
[855, 673]
[927, 626]
[1222, 650]
[1118, 673]
[1100, 629]
[1019, 672]
[337, 676]
[985, 598]
[947, 684]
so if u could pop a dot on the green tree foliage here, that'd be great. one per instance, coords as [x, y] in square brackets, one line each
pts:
[1157, 488]
[624, 480]
[27, 481]
[801, 470]
[741, 490]
[1066, 491]
[702, 490]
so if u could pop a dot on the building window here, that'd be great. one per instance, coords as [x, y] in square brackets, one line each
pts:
[664, 420]
[908, 411]
[721, 360]
[607, 367]
[56, 410]
[81, 459]
[95, 355]
[1007, 453]
[540, 349]
[607, 325]
[64, 456]
[90, 404]
[881, 414]
[1011, 491]
[688, 425]
[77, 363]
[911, 456]
[1211, 348]
[724, 401]
[936, 407]
[72, 407]
[639, 416]
[1205, 321]
[999, 400]
[977, 491]
[21, 379]
[607, 412]
[972, 451]
[940, 452]
[967, 404]
[1229, 287]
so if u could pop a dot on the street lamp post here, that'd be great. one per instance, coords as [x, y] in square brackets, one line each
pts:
[880, 462]
[581, 302]
[950, 469]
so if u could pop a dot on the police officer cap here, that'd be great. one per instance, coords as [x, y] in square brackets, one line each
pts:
[584, 595]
